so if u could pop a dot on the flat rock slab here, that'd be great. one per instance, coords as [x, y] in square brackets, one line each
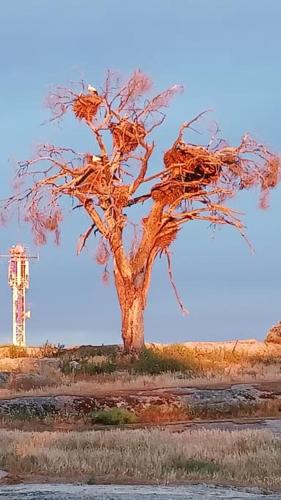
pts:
[218, 400]
[41, 406]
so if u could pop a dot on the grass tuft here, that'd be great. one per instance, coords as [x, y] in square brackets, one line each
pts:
[114, 416]
[191, 466]
[92, 481]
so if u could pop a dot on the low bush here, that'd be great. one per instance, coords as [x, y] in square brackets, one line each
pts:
[95, 369]
[84, 352]
[87, 368]
[172, 359]
[151, 361]
[114, 416]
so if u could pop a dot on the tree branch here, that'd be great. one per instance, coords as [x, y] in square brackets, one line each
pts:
[144, 165]
[90, 209]
[83, 238]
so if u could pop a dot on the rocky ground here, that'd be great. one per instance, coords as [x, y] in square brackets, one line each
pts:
[21, 405]
[252, 401]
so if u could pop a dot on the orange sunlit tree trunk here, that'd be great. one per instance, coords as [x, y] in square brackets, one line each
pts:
[193, 183]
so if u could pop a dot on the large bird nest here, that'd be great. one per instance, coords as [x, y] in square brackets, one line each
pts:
[187, 167]
[192, 163]
[85, 106]
[127, 135]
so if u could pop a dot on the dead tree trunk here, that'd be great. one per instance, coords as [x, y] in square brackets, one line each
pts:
[133, 323]
[132, 294]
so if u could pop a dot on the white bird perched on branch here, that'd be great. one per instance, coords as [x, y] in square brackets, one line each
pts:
[96, 158]
[92, 90]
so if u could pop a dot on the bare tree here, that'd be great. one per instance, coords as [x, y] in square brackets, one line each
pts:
[193, 183]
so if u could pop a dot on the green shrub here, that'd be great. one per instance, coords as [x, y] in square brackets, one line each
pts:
[87, 368]
[84, 352]
[114, 416]
[94, 369]
[66, 367]
[173, 358]
[151, 361]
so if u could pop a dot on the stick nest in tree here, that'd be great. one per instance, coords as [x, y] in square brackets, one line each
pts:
[192, 163]
[187, 167]
[85, 106]
[127, 135]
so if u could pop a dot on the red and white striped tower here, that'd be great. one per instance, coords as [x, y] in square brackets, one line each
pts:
[18, 276]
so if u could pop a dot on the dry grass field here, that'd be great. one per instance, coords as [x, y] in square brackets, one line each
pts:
[155, 456]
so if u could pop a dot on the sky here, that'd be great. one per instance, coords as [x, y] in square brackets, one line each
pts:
[226, 53]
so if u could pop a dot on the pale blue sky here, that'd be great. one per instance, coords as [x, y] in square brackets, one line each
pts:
[226, 53]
